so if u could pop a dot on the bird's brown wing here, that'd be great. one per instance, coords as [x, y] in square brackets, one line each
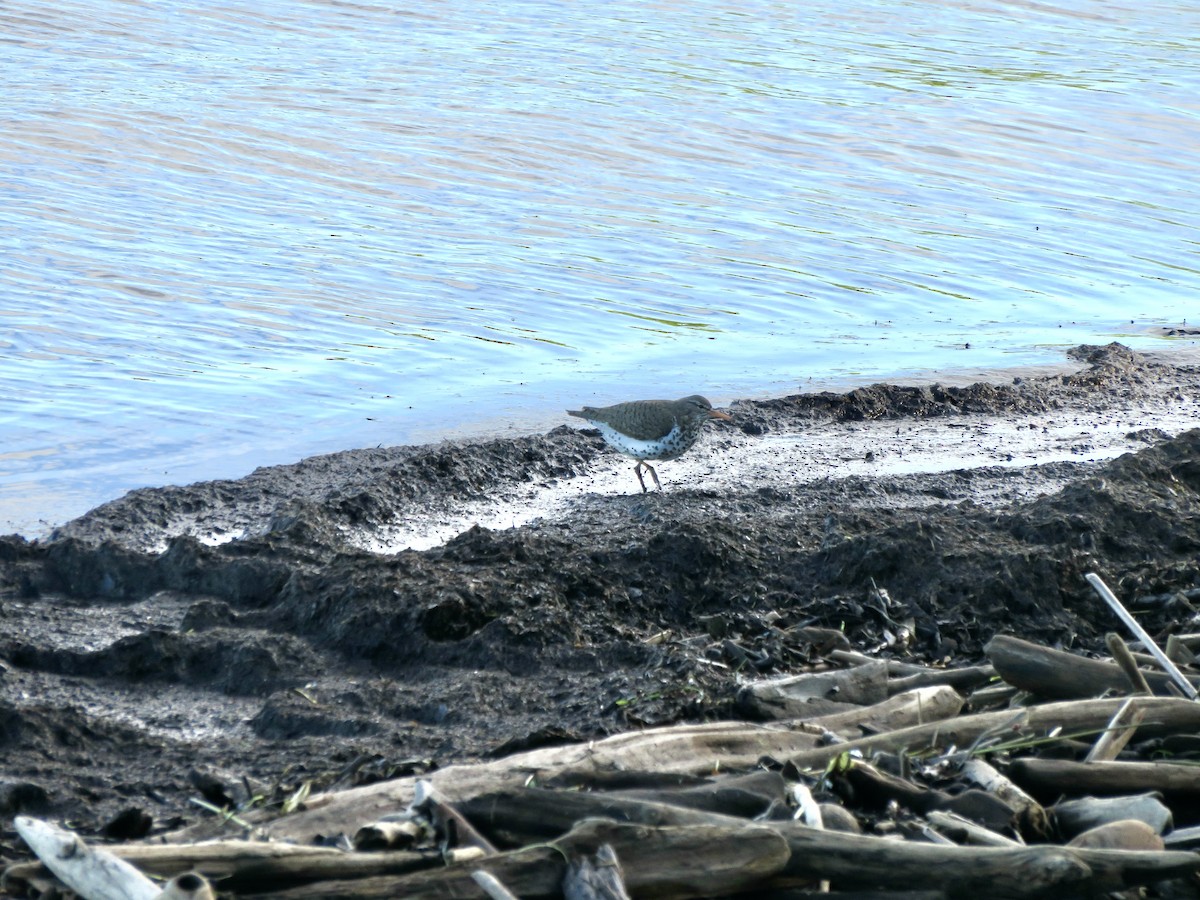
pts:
[642, 420]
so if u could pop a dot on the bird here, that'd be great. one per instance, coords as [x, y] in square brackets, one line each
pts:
[651, 429]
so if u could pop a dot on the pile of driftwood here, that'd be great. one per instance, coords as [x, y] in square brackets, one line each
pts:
[1040, 772]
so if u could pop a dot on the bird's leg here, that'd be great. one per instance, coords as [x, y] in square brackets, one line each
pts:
[637, 470]
[657, 483]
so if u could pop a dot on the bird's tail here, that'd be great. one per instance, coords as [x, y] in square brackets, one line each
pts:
[579, 413]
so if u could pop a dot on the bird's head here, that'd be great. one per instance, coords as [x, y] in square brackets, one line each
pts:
[702, 408]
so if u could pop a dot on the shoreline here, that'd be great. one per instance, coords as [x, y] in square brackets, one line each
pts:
[251, 631]
[26, 506]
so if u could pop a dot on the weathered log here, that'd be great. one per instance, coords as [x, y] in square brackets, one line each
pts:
[1183, 837]
[961, 679]
[787, 698]
[963, 830]
[896, 668]
[907, 676]
[519, 816]
[671, 863]
[90, 872]
[258, 865]
[915, 707]
[1178, 784]
[1163, 715]
[698, 749]
[981, 872]
[745, 796]
[1032, 820]
[997, 695]
[690, 749]
[1177, 677]
[1178, 651]
[595, 877]
[876, 789]
[1045, 672]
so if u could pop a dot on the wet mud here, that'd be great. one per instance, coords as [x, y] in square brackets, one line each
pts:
[378, 612]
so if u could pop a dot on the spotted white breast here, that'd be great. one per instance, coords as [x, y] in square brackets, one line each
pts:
[667, 447]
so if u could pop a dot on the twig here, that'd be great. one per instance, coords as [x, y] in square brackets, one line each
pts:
[1132, 624]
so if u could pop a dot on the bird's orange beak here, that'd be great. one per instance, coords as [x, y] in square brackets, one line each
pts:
[717, 414]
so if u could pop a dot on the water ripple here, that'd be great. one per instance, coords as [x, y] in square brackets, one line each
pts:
[236, 233]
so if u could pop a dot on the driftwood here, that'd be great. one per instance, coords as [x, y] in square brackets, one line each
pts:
[745, 796]
[693, 861]
[1178, 651]
[492, 886]
[896, 668]
[1183, 837]
[677, 863]
[1031, 816]
[1163, 715]
[1118, 733]
[787, 698]
[556, 820]
[1119, 651]
[256, 865]
[1178, 784]
[963, 830]
[595, 877]
[875, 790]
[982, 773]
[91, 873]
[682, 862]
[723, 746]
[519, 816]
[965, 678]
[1177, 677]
[1053, 673]
[698, 750]
[981, 872]
[915, 707]
[906, 676]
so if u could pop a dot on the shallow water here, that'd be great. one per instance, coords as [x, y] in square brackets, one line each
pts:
[237, 234]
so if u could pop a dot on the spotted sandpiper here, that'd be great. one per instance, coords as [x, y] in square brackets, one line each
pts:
[651, 429]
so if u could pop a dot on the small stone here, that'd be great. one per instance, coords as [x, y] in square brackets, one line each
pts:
[1127, 834]
[838, 818]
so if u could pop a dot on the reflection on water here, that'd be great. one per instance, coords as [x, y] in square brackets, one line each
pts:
[239, 233]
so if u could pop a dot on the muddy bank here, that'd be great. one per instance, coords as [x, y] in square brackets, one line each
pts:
[243, 637]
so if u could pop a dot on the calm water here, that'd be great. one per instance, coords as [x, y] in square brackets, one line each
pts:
[237, 233]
